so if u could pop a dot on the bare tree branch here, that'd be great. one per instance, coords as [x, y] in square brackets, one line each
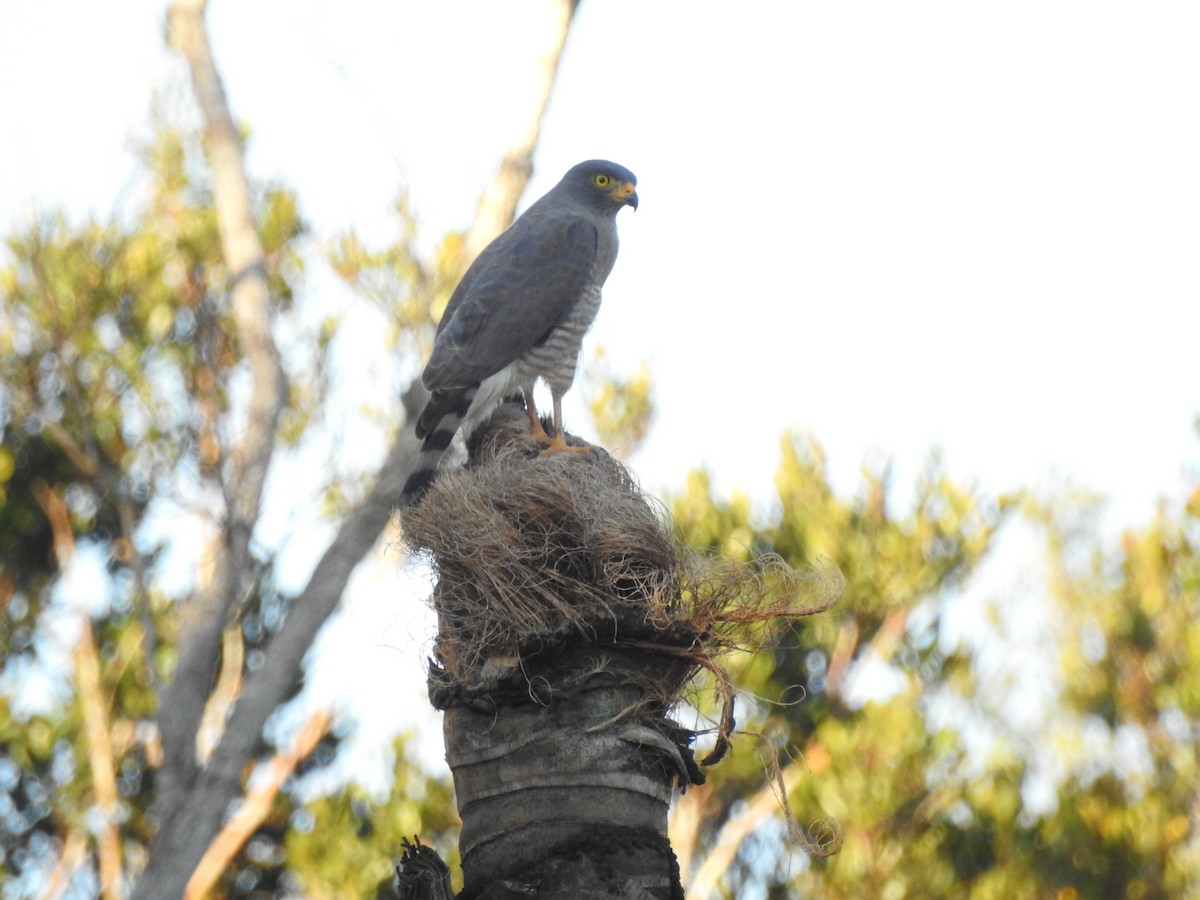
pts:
[183, 700]
[256, 806]
[194, 801]
[225, 694]
[498, 204]
[183, 839]
[760, 807]
[688, 813]
[100, 758]
[74, 852]
[92, 704]
[246, 261]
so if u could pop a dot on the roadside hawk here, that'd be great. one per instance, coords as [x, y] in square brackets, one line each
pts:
[521, 311]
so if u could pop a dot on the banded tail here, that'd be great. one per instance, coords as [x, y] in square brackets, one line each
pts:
[440, 420]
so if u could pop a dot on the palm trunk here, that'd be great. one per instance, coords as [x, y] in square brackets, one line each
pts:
[560, 798]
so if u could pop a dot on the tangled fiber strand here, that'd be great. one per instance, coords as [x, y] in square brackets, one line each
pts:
[532, 551]
[536, 553]
[742, 606]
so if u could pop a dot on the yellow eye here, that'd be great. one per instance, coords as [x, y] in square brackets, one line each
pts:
[601, 180]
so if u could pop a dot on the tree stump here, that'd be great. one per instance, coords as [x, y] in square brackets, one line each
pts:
[569, 623]
[563, 642]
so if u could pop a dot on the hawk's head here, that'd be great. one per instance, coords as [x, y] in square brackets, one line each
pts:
[602, 184]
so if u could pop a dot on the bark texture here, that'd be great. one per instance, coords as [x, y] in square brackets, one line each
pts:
[563, 798]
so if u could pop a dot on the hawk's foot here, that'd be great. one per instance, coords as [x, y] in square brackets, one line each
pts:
[558, 444]
[538, 433]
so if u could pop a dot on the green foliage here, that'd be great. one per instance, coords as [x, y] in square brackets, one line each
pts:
[622, 408]
[880, 794]
[363, 867]
[115, 356]
[933, 814]
[1131, 659]
[118, 366]
[118, 362]
[412, 289]
[869, 765]
[890, 563]
[108, 333]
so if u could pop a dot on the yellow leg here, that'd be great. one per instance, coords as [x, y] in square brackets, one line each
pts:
[535, 424]
[559, 443]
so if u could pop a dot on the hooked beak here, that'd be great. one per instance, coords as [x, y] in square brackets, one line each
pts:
[627, 194]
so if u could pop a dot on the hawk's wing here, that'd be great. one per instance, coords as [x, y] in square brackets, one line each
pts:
[518, 289]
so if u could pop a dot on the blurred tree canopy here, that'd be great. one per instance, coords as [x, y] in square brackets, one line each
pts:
[155, 369]
[123, 381]
[928, 808]
[118, 357]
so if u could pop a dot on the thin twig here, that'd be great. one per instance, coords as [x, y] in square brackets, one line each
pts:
[128, 553]
[92, 702]
[498, 204]
[71, 857]
[771, 797]
[255, 807]
[225, 694]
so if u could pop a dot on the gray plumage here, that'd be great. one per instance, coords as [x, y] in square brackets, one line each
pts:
[521, 311]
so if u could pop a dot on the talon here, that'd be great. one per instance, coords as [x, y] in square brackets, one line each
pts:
[558, 444]
[538, 433]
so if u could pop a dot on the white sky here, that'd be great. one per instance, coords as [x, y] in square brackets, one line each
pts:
[894, 226]
[891, 225]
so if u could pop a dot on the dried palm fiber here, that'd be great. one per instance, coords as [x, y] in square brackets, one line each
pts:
[536, 553]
